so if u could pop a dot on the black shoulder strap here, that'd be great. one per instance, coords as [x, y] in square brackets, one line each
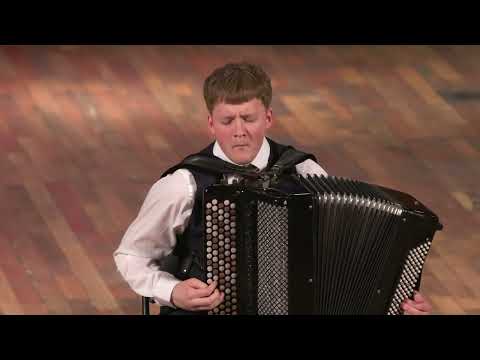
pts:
[289, 159]
[212, 165]
[216, 166]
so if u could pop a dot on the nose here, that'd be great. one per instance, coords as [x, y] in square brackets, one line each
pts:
[239, 130]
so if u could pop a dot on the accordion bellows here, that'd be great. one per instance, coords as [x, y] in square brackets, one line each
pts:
[315, 245]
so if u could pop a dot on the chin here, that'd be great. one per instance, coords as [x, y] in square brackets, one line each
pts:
[242, 159]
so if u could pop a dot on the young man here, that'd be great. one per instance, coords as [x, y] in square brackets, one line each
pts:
[238, 98]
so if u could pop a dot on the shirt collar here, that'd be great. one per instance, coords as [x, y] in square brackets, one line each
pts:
[260, 161]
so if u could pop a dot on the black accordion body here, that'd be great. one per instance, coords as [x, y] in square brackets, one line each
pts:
[314, 245]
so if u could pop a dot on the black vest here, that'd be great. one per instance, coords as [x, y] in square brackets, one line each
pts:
[190, 244]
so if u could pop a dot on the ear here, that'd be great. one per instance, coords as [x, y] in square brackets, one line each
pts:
[210, 125]
[269, 118]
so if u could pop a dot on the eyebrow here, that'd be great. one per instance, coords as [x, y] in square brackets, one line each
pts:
[231, 117]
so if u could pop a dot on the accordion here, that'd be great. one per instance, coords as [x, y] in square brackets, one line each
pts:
[314, 245]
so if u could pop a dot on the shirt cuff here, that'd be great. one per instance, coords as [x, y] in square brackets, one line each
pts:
[163, 293]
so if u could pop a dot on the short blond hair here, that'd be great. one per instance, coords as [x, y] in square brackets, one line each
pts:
[235, 83]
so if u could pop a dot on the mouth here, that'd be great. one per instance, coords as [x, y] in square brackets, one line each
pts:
[240, 146]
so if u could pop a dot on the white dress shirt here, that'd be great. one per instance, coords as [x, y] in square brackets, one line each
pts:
[164, 214]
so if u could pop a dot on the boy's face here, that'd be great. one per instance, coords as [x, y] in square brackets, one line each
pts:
[240, 129]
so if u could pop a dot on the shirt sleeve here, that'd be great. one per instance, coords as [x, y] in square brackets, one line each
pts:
[152, 236]
[310, 167]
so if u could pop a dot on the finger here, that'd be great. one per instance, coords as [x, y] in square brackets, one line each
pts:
[196, 284]
[419, 297]
[422, 306]
[410, 310]
[218, 301]
[214, 305]
[206, 301]
[207, 291]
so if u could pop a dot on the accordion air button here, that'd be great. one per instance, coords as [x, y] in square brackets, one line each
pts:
[214, 202]
[209, 256]
[234, 275]
[227, 291]
[214, 233]
[232, 206]
[216, 310]
[221, 268]
[209, 268]
[209, 281]
[209, 205]
[233, 224]
[227, 278]
[222, 287]
[234, 301]
[227, 253]
[233, 250]
[209, 230]
[209, 243]
[209, 249]
[227, 247]
[233, 281]
[215, 259]
[232, 231]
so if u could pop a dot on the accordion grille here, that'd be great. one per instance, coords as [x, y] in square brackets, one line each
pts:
[272, 232]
